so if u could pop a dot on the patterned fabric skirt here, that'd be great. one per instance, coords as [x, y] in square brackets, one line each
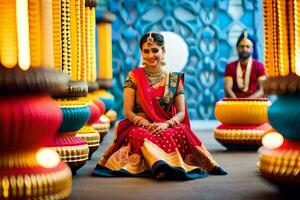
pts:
[176, 153]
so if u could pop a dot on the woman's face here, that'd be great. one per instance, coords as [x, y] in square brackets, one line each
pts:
[152, 54]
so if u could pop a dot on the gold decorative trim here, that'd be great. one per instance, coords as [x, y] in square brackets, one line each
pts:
[280, 164]
[93, 43]
[57, 39]
[121, 159]
[230, 134]
[66, 37]
[70, 103]
[101, 127]
[19, 160]
[282, 84]
[82, 34]
[51, 185]
[73, 153]
[92, 138]
[152, 153]
[281, 19]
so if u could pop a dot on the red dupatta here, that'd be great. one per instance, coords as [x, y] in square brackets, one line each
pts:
[149, 102]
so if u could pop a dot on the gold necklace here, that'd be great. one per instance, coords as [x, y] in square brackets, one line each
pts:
[154, 77]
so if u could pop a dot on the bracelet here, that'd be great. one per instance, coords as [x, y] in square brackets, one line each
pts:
[139, 121]
[176, 120]
[170, 122]
[173, 121]
[134, 119]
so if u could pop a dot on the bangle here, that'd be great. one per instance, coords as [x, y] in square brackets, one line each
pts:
[176, 120]
[173, 121]
[170, 122]
[134, 119]
[139, 121]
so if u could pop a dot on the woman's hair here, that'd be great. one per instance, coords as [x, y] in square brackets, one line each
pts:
[157, 38]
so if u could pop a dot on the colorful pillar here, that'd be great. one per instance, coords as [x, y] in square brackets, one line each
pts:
[279, 157]
[29, 118]
[105, 73]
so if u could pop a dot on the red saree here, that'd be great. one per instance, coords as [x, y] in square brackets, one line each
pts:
[176, 152]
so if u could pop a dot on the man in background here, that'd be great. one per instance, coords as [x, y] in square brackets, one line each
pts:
[244, 77]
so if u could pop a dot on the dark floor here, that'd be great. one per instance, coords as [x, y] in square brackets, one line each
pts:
[242, 182]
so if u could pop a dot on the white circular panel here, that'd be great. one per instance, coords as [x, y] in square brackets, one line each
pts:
[177, 51]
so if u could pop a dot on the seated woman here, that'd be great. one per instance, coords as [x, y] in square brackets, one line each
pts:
[155, 139]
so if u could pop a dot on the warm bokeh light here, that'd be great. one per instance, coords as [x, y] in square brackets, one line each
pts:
[47, 158]
[104, 119]
[272, 140]
[23, 34]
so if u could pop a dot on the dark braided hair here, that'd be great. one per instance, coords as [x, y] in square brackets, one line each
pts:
[157, 38]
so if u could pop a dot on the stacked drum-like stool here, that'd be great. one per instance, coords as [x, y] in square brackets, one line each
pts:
[244, 122]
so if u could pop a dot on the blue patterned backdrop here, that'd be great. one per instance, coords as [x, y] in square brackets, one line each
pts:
[209, 27]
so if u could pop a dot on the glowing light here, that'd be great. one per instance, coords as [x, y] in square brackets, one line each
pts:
[47, 158]
[23, 34]
[272, 140]
[104, 119]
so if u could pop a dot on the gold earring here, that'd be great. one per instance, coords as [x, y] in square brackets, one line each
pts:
[162, 62]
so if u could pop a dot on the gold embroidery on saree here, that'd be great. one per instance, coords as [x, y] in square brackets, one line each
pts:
[173, 79]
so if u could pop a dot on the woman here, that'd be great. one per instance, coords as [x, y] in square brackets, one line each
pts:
[155, 139]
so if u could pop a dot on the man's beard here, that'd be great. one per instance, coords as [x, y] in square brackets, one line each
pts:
[244, 55]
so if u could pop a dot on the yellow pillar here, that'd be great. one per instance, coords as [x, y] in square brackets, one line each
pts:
[87, 45]
[35, 32]
[8, 34]
[47, 33]
[57, 43]
[90, 43]
[283, 44]
[82, 38]
[66, 37]
[297, 37]
[105, 50]
[270, 63]
[93, 44]
[75, 22]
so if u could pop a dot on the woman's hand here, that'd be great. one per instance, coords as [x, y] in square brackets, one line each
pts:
[157, 128]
